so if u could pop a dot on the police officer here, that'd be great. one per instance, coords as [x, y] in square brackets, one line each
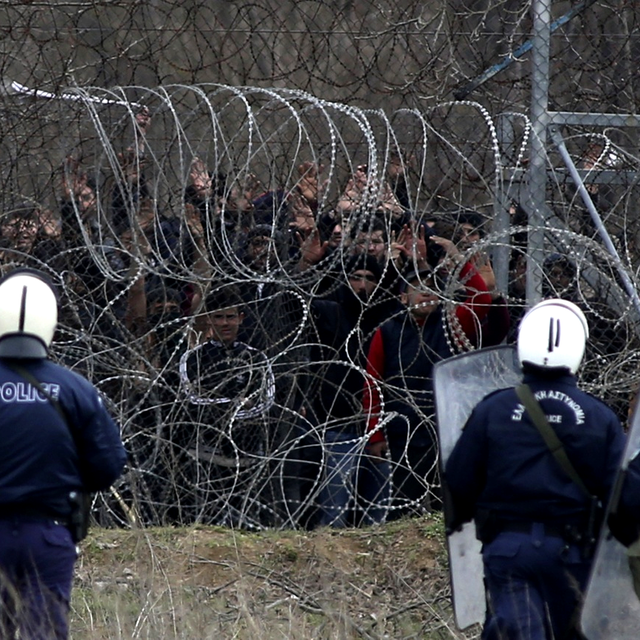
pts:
[532, 517]
[56, 439]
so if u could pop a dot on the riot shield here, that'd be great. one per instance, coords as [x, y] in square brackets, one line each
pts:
[459, 384]
[611, 608]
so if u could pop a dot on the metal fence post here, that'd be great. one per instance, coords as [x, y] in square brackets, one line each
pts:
[536, 196]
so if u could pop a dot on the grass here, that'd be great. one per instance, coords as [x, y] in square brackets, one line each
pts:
[209, 582]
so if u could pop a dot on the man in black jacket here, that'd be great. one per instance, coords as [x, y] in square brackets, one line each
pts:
[231, 391]
[345, 329]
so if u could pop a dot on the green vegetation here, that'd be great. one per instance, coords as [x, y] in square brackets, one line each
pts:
[208, 582]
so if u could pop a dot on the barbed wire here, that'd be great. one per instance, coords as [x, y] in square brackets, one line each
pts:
[159, 160]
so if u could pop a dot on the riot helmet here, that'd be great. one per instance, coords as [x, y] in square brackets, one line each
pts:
[553, 335]
[28, 315]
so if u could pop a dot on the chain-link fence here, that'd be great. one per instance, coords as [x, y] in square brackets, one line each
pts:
[205, 180]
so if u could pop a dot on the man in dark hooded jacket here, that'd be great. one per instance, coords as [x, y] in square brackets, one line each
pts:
[344, 332]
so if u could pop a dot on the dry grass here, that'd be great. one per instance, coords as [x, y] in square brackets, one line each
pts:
[208, 582]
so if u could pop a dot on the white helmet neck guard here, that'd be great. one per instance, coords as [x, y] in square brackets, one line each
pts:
[28, 315]
[553, 335]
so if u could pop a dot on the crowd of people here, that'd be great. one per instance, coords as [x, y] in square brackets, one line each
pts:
[270, 352]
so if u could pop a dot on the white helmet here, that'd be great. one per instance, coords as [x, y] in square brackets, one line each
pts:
[28, 315]
[553, 334]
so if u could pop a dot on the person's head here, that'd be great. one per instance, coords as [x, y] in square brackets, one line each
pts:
[163, 316]
[470, 229]
[270, 207]
[224, 313]
[420, 292]
[518, 275]
[28, 315]
[372, 240]
[85, 197]
[552, 337]
[263, 245]
[560, 274]
[163, 303]
[363, 275]
[335, 234]
[20, 229]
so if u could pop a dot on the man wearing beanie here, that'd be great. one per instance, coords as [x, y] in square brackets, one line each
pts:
[344, 330]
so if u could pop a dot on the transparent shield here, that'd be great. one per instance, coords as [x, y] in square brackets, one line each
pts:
[459, 384]
[611, 608]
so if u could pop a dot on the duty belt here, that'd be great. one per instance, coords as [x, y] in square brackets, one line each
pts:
[568, 532]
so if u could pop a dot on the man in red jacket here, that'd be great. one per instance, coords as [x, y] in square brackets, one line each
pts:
[398, 399]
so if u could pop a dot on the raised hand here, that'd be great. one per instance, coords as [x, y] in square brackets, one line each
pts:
[200, 178]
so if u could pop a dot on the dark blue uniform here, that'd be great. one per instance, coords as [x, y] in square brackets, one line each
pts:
[529, 513]
[41, 462]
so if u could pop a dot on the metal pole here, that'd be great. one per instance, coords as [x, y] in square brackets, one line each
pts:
[597, 221]
[536, 199]
[462, 92]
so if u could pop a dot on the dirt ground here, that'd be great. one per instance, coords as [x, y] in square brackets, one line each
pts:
[208, 582]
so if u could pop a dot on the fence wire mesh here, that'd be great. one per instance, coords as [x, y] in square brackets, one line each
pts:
[231, 197]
